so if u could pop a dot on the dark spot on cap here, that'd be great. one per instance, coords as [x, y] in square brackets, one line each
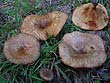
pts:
[103, 12]
[92, 47]
[44, 23]
[91, 23]
[106, 19]
[22, 50]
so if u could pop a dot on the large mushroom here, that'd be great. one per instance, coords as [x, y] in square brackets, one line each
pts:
[90, 16]
[22, 49]
[41, 26]
[82, 50]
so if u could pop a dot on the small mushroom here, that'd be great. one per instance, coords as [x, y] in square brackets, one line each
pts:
[46, 74]
[82, 50]
[22, 49]
[41, 26]
[90, 16]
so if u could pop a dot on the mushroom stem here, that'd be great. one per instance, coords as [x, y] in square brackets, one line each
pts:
[95, 3]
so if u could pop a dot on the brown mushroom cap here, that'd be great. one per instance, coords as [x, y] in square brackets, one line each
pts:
[82, 50]
[90, 18]
[46, 74]
[43, 25]
[22, 49]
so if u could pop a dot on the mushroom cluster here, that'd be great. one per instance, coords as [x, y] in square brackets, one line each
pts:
[24, 48]
[82, 50]
[76, 49]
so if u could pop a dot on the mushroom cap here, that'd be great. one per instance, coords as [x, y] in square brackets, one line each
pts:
[46, 74]
[43, 25]
[90, 18]
[22, 49]
[82, 50]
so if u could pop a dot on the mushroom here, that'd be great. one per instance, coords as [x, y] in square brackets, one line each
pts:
[90, 16]
[41, 26]
[82, 50]
[46, 74]
[22, 49]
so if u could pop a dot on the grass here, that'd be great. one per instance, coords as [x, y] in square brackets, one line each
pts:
[12, 14]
